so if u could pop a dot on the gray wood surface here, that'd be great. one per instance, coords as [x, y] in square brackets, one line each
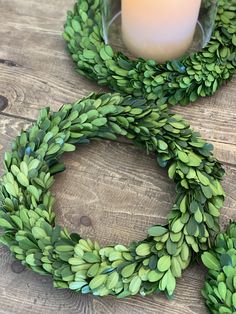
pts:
[110, 191]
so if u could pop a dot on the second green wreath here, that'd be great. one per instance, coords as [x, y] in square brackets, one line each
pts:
[176, 82]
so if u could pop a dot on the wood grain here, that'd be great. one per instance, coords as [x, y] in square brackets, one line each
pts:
[110, 191]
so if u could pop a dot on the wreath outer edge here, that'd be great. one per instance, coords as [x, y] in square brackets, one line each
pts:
[144, 267]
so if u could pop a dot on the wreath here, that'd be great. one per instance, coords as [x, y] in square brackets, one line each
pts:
[175, 82]
[220, 286]
[144, 267]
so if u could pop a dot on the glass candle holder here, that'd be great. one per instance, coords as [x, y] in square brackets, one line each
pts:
[157, 29]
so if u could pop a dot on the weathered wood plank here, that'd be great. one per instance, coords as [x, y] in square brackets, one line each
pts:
[110, 191]
[35, 68]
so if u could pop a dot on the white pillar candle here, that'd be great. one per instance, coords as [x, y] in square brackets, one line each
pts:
[159, 29]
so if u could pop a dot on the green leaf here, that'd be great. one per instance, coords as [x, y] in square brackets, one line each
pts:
[183, 204]
[210, 261]
[30, 260]
[68, 147]
[222, 290]
[171, 247]
[106, 53]
[175, 267]
[33, 164]
[191, 174]
[163, 282]
[157, 231]
[22, 179]
[11, 189]
[164, 263]
[183, 157]
[112, 280]
[198, 216]
[77, 285]
[135, 285]
[17, 221]
[5, 224]
[93, 270]
[194, 207]
[97, 281]
[75, 261]
[213, 210]
[194, 160]
[185, 253]
[171, 283]
[225, 310]
[162, 145]
[206, 191]
[225, 260]
[64, 248]
[178, 125]
[15, 170]
[191, 226]
[123, 294]
[172, 171]
[53, 149]
[24, 168]
[202, 178]
[234, 43]
[177, 226]
[121, 248]
[128, 270]
[143, 249]
[33, 191]
[154, 276]
[175, 237]
[99, 121]
[90, 257]
[234, 294]
[38, 233]
[76, 25]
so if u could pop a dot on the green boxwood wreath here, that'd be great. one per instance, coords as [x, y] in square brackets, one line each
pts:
[220, 286]
[144, 267]
[175, 82]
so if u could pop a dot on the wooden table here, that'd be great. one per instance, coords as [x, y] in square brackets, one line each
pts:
[110, 191]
